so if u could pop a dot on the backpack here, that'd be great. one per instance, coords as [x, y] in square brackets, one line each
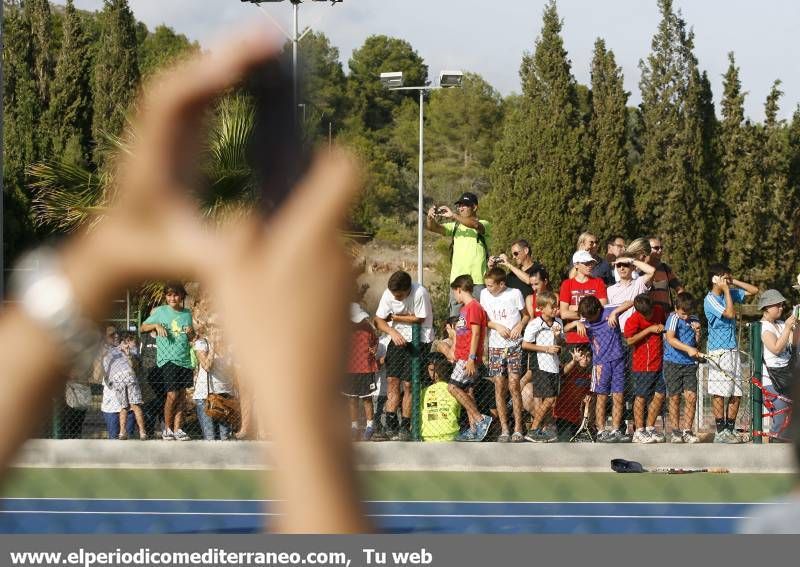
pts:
[480, 237]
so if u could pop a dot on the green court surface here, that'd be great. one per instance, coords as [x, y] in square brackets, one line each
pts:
[435, 486]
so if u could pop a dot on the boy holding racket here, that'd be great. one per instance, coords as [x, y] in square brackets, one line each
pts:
[725, 381]
[680, 367]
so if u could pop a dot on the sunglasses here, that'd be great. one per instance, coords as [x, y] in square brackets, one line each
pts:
[515, 254]
[657, 247]
[623, 265]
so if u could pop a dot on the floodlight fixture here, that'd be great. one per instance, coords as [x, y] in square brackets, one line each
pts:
[392, 80]
[448, 79]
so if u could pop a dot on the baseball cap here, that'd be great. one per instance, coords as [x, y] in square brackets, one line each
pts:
[582, 257]
[770, 297]
[357, 313]
[468, 198]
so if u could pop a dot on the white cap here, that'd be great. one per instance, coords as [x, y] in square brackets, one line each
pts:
[357, 313]
[582, 257]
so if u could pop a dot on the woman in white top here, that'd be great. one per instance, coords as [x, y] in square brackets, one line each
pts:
[777, 337]
[215, 374]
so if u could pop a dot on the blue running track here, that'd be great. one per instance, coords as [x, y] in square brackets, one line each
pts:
[44, 515]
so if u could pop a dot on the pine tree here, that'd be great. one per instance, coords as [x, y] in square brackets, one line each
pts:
[71, 103]
[780, 201]
[674, 180]
[738, 219]
[539, 175]
[115, 77]
[22, 111]
[610, 202]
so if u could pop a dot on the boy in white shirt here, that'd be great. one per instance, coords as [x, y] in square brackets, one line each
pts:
[505, 309]
[544, 336]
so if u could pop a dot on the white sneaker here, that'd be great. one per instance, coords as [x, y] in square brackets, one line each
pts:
[656, 436]
[168, 435]
[689, 437]
[181, 435]
[676, 438]
[641, 436]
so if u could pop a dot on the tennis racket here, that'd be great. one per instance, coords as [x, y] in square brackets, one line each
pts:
[715, 361]
[584, 433]
[671, 470]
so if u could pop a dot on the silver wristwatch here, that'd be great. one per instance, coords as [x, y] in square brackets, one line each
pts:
[45, 295]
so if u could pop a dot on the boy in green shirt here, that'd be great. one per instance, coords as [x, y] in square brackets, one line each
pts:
[174, 371]
[440, 410]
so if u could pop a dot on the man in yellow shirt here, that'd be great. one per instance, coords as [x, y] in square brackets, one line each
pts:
[469, 251]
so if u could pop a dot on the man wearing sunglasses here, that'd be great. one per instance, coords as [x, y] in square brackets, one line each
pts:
[521, 268]
[664, 279]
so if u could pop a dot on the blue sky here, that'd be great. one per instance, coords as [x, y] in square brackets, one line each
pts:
[489, 37]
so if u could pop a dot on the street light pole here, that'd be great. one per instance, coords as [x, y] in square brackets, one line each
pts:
[393, 81]
[420, 219]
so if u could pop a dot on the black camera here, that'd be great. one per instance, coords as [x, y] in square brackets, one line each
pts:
[497, 260]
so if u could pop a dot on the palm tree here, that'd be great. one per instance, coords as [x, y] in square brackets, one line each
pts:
[68, 197]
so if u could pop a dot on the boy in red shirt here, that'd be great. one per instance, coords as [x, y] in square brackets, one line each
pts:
[578, 287]
[468, 351]
[361, 369]
[576, 379]
[643, 331]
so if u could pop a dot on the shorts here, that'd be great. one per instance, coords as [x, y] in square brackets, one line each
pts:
[545, 384]
[505, 361]
[645, 384]
[729, 382]
[680, 378]
[398, 360]
[128, 394]
[609, 377]
[460, 378]
[359, 385]
[171, 377]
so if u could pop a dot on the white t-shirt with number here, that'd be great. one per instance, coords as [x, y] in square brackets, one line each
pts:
[417, 303]
[503, 309]
[539, 332]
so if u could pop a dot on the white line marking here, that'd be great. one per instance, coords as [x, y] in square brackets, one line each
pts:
[513, 502]
[516, 516]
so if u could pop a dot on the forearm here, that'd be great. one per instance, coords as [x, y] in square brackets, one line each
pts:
[523, 276]
[407, 319]
[749, 289]
[641, 335]
[474, 343]
[383, 326]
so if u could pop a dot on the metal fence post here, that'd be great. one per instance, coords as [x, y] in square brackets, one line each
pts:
[756, 352]
[56, 422]
[416, 380]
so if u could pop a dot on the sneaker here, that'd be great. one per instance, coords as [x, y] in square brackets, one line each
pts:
[503, 438]
[725, 436]
[532, 435]
[656, 436]
[181, 435]
[168, 435]
[482, 427]
[642, 436]
[403, 435]
[676, 438]
[542, 436]
[466, 435]
[379, 435]
[517, 437]
[369, 431]
[604, 436]
[689, 437]
[122, 436]
[618, 436]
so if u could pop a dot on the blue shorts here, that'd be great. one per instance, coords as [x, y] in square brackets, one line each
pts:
[609, 377]
[645, 384]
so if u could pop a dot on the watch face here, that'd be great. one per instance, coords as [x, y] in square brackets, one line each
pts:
[47, 296]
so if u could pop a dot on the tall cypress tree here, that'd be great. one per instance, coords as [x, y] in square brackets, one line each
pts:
[610, 203]
[71, 102]
[22, 110]
[673, 180]
[539, 173]
[738, 218]
[115, 76]
[780, 202]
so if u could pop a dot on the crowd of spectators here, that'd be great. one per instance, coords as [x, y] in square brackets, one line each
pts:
[541, 361]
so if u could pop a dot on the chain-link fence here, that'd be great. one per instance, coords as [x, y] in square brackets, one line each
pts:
[647, 377]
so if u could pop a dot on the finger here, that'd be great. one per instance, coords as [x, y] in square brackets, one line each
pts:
[324, 196]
